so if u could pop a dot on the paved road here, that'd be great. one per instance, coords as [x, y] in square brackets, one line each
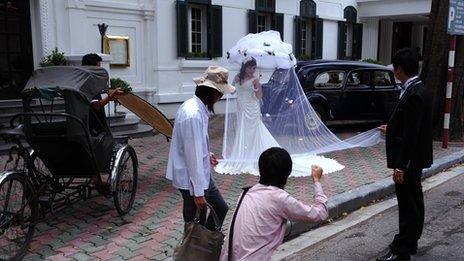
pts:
[443, 237]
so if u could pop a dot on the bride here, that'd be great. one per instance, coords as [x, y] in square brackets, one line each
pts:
[251, 136]
[286, 118]
[246, 136]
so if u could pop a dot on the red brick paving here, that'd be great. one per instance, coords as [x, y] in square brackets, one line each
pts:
[93, 230]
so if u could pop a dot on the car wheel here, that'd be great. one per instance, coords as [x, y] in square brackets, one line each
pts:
[321, 112]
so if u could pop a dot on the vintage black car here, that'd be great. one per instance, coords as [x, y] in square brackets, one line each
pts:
[349, 90]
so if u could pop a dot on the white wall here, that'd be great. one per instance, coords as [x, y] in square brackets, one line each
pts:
[389, 8]
[156, 72]
[330, 40]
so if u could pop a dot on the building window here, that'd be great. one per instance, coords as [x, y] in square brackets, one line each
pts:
[308, 32]
[195, 18]
[350, 36]
[197, 30]
[261, 25]
[349, 40]
[304, 38]
[307, 38]
[263, 22]
[264, 18]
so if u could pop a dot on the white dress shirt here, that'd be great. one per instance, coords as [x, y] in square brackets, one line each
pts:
[406, 85]
[262, 219]
[189, 164]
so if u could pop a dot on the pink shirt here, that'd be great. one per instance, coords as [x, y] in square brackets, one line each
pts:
[262, 217]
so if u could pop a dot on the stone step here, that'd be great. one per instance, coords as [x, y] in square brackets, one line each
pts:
[118, 117]
[142, 130]
[128, 127]
[17, 106]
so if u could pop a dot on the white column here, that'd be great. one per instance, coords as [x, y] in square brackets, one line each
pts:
[385, 43]
[370, 38]
[148, 58]
[47, 29]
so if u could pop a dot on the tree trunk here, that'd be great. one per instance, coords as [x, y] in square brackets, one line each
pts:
[434, 70]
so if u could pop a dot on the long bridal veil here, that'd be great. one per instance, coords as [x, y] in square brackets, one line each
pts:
[285, 112]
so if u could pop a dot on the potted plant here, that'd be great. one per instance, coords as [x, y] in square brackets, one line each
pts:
[197, 55]
[121, 84]
[368, 60]
[305, 57]
[56, 58]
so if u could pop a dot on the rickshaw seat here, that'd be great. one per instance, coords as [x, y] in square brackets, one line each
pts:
[18, 131]
[65, 155]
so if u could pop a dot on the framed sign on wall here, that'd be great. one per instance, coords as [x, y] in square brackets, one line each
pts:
[118, 47]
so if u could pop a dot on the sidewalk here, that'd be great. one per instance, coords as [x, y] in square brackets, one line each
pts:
[92, 230]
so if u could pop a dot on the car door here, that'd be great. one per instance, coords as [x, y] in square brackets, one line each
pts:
[357, 95]
[328, 84]
[386, 93]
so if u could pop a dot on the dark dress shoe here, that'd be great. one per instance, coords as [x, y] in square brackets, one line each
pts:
[393, 257]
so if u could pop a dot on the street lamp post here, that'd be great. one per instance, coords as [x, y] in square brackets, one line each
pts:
[102, 28]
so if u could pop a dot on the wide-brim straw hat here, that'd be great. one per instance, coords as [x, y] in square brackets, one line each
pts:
[216, 77]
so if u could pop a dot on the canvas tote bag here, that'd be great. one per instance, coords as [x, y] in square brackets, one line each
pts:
[200, 243]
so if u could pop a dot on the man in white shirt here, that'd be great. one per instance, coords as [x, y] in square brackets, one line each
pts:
[190, 161]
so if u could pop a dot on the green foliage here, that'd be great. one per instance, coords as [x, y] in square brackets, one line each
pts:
[372, 61]
[56, 58]
[197, 55]
[119, 83]
[305, 57]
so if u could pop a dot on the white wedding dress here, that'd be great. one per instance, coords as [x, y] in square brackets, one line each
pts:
[252, 138]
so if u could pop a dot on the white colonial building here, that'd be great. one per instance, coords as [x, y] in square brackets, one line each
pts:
[172, 41]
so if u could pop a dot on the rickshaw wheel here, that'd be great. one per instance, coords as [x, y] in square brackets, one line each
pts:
[18, 215]
[126, 182]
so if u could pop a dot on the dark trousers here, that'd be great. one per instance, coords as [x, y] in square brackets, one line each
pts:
[213, 197]
[411, 213]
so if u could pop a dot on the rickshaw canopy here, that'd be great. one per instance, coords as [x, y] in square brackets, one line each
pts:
[48, 82]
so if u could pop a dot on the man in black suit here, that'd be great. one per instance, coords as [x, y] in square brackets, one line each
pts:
[409, 151]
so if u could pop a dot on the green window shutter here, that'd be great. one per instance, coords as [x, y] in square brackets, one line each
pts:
[357, 41]
[252, 21]
[319, 36]
[297, 39]
[215, 31]
[341, 40]
[279, 24]
[182, 28]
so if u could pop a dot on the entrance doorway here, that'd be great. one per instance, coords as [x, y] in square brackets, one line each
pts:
[402, 36]
[16, 62]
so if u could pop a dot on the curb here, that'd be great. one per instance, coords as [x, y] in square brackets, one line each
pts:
[354, 199]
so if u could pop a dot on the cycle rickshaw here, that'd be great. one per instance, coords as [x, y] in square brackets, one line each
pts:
[70, 154]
